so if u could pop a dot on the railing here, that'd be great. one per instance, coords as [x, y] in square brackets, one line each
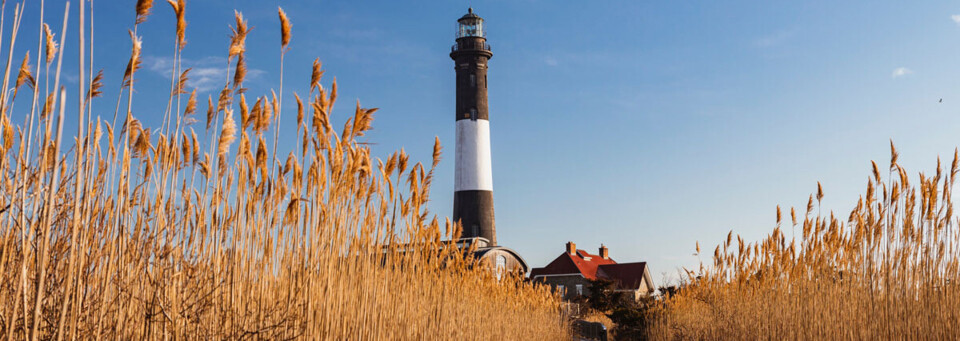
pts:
[470, 45]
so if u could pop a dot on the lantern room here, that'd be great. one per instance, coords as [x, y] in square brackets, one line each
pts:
[470, 25]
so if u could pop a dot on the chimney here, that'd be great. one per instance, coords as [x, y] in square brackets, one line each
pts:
[572, 248]
[604, 252]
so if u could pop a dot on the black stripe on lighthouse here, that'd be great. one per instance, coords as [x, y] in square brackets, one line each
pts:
[474, 210]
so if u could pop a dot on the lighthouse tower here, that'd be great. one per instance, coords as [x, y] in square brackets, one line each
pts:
[473, 200]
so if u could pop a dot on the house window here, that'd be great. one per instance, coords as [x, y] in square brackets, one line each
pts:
[501, 265]
[560, 289]
[579, 289]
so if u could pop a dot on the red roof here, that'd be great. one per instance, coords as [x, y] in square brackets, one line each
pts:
[590, 266]
[627, 275]
[583, 263]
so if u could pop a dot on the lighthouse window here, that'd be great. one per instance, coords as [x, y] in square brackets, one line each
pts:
[473, 113]
[484, 81]
[473, 80]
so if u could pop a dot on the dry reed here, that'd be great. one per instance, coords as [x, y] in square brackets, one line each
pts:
[159, 234]
[890, 270]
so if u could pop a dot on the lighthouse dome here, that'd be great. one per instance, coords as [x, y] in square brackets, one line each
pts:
[470, 15]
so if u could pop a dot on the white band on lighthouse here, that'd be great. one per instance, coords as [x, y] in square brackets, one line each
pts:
[474, 170]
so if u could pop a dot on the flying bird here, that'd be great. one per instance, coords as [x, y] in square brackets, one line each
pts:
[941, 100]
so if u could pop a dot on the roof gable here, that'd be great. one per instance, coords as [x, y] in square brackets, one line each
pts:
[626, 275]
[560, 265]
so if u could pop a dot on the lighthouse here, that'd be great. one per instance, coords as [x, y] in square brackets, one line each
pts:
[473, 200]
[473, 181]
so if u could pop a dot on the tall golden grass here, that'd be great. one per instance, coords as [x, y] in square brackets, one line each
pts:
[888, 270]
[129, 232]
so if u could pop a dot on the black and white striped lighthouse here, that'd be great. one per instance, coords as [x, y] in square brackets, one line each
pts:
[473, 200]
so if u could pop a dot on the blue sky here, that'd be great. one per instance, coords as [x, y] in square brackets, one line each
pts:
[643, 125]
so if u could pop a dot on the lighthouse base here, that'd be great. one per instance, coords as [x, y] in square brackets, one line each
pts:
[474, 210]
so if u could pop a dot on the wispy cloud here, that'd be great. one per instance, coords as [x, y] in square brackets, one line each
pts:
[900, 72]
[208, 73]
[775, 39]
[550, 61]
[955, 18]
[71, 78]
